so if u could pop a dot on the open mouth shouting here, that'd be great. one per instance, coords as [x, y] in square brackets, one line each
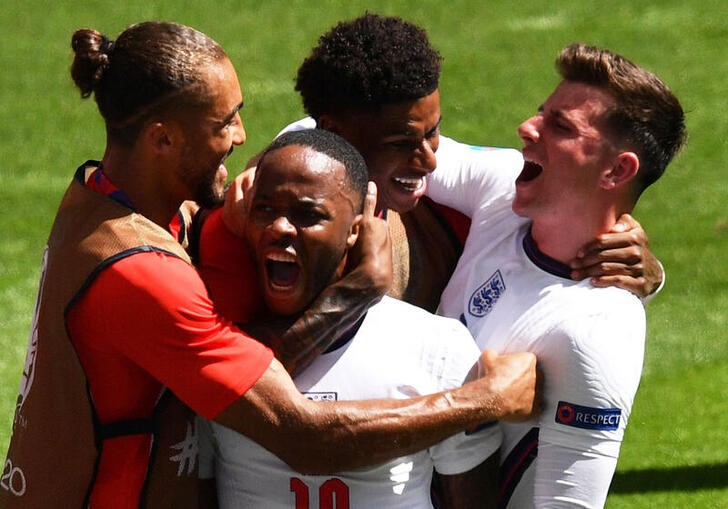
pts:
[281, 271]
[530, 171]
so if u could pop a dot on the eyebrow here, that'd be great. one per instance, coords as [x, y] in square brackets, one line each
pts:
[234, 112]
[409, 133]
[434, 128]
[558, 114]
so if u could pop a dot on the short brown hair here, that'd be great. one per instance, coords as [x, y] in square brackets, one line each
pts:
[646, 117]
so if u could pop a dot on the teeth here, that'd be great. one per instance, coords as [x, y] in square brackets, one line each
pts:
[412, 183]
[281, 257]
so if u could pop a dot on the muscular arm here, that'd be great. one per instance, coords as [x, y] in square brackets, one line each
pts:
[328, 437]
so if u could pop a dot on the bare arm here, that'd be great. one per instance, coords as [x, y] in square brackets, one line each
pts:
[329, 437]
[620, 258]
[476, 488]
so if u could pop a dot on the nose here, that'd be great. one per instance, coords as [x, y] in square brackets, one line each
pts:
[239, 135]
[282, 227]
[425, 153]
[528, 131]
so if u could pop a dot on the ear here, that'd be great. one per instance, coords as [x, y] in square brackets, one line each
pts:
[353, 232]
[624, 169]
[161, 136]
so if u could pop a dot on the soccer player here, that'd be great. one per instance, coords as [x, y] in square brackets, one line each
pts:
[305, 206]
[124, 328]
[374, 80]
[607, 131]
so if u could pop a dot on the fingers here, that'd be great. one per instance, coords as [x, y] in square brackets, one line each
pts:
[486, 362]
[247, 178]
[370, 200]
[514, 378]
[625, 223]
[233, 213]
[597, 269]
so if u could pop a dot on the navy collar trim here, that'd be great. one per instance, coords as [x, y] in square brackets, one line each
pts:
[544, 261]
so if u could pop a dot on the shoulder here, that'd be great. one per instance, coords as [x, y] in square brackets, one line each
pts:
[451, 152]
[597, 333]
[299, 125]
[152, 276]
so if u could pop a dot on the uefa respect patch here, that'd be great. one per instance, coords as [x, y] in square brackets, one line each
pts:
[584, 417]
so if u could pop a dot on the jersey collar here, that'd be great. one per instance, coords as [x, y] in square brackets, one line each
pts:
[544, 261]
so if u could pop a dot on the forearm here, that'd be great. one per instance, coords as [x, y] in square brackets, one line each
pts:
[329, 437]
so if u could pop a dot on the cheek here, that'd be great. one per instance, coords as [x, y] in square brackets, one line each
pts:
[252, 234]
[384, 168]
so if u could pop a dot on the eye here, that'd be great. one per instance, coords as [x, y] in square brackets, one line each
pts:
[406, 145]
[307, 216]
[261, 210]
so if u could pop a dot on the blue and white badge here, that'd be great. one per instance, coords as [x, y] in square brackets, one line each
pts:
[486, 295]
[584, 417]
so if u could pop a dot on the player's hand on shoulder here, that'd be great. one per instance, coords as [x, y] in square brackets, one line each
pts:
[620, 258]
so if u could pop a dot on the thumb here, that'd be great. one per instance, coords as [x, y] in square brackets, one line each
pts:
[487, 361]
[370, 200]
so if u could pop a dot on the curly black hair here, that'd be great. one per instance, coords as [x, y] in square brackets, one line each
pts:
[366, 63]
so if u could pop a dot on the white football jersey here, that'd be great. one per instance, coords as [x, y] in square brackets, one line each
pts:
[399, 351]
[589, 343]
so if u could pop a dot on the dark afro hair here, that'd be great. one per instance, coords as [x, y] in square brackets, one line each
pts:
[366, 63]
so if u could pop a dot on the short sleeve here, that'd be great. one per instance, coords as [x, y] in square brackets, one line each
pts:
[150, 311]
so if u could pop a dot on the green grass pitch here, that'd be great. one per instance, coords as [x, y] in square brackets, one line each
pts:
[498, 68]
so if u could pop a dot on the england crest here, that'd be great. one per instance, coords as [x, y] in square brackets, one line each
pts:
[486, 295]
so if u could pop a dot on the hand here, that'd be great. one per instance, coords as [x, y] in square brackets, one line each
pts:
[234, 209]
[620, 258]
[516, 380]
[372, 253]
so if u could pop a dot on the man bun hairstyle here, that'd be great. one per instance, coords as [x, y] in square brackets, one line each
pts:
[367, 63]
[151, 68]
[646, 115]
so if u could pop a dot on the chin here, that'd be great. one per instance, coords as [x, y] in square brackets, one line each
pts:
[282, 308]
[403, 205]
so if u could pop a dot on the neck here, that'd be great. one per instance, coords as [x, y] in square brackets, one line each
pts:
[142, 182]
[561, 238]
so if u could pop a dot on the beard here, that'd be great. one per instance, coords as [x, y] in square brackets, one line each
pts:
[207, 191]
[209, 194]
